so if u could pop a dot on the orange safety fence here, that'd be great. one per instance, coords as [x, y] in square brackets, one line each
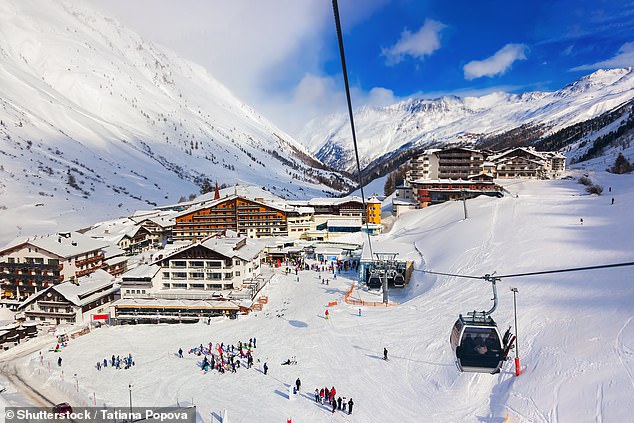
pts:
[356, 302]
[263, 299]
[332, 303]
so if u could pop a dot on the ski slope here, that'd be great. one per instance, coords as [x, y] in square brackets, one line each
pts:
[576, 330]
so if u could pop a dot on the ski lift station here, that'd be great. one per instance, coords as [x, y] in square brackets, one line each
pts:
[384, 263]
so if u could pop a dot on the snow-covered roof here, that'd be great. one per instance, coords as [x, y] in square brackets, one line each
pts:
[514, 151]
[141, 271]
[403, 202]
[115, 260]
[279, 206]
[241, 247]
[325, 201]
[180, 304]
[85, 290]
[343, 223]
[63, 244]
[113, 251]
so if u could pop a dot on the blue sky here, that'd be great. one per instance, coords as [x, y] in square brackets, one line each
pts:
[541, 45]
[281, 56]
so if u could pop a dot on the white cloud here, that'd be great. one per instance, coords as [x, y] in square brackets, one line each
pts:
[317, 96]
[497, 64]
[417, 45]
[623, 58]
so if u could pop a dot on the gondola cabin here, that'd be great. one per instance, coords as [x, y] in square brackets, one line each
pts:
[477, 344]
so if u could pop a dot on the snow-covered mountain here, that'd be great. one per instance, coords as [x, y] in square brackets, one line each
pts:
[97, 122]
[420, 122]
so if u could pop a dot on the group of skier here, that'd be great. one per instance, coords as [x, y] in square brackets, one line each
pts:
[223, 357]
[329, 396]
[116, 362]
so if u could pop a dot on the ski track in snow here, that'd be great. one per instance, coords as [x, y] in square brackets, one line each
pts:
[599, 411]
[625, 354]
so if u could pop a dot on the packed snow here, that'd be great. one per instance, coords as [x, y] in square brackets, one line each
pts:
[575, 330]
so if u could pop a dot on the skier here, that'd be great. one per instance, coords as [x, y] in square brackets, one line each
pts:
[180, 352]
[350, 404]
[266, 368]
[59, 362]
[581, 220]
[359, 312]
[254, 342]
[326, 313]
[298, 383]
[316, 395]
[384, 353]
[339, 403]
[612, 200]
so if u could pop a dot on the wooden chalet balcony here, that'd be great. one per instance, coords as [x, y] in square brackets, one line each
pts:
[85, 272]
[26, 278]
[13, 267]
[34, 313]
[89, 260]
[48, 303]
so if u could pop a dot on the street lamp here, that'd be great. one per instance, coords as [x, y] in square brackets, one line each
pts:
[517, 358]
[130, 388]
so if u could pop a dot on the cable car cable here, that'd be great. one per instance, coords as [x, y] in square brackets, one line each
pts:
[448, 274]
[335, 8]
[516, 275]
[574, 269]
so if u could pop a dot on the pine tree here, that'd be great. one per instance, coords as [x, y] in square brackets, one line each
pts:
[621, 165]
[206, 186]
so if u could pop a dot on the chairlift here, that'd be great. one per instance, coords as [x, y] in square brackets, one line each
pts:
[399, 280]
[374, 281]
[476, 341]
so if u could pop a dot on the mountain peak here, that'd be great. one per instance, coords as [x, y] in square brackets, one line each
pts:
[422, 123]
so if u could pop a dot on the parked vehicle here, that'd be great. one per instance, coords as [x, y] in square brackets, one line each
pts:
[62, 408]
